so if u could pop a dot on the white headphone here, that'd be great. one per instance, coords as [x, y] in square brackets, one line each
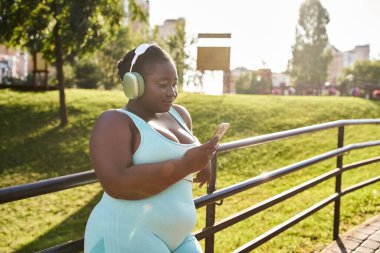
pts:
[133, 82]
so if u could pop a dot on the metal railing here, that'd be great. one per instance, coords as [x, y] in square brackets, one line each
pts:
[210, 200]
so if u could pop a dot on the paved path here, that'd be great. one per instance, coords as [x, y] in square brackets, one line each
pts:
[363, 239]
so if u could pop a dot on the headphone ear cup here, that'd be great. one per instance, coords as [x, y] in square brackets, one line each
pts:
[133, 85]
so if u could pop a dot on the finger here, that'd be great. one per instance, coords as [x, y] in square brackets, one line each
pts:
[196, 180]
[211, 154]
[211, 150]
[204, 180]
[208, 181]
[211, 143]
[215, 141]
[200, 178]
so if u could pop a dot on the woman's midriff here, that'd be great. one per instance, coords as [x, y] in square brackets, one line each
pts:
[170, 215]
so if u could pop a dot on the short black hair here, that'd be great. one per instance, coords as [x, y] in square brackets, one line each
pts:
[145, 62]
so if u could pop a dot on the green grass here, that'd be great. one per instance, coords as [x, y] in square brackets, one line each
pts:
[33, 147]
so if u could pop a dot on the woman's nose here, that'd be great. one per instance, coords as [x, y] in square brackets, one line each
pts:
[171, 91]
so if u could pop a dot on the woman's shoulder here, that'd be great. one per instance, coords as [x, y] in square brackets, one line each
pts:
[184, 113]
[112, 115]
[112, 119]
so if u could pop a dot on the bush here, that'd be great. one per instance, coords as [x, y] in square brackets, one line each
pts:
[87, 75]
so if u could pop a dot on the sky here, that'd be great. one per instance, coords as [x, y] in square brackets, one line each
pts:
[264, 31]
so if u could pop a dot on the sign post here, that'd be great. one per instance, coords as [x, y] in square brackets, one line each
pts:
[215, 57]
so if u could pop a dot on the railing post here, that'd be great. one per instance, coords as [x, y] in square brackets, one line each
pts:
[338, 184]
[210, 209]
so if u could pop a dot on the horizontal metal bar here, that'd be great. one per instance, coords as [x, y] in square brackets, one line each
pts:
[239, 187]
[360, 185]
[361, 163]
[285, 225]
[18, 192]
[67, 247]
[237, 217]
[76, 246]
[252, 141]
[231, 220]
[13, 193]
[299, 217]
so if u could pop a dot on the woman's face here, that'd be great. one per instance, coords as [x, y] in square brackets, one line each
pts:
[160, 87]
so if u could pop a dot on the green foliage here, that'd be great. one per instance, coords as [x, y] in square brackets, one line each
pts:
[124, 41]
[87, 75]
[136, 13]
[254, 82]
[33, 148]
[244, 83]
[175, 46]
[364, 75]
[308, 67]
[60, 30]
[364, 72]
[83, 25]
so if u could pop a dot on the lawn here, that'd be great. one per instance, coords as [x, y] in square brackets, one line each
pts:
[33, 147]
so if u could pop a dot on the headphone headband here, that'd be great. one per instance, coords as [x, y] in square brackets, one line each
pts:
[139, 51]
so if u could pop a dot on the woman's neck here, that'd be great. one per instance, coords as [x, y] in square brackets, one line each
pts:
[140, 111]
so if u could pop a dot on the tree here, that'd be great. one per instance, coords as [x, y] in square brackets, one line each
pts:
[364, 75]
[244, 83]
[364, 72]
[175, 45]
[124, 41]
[87, 74]
[60, 29]
[254, 82]
[308, 67]
[263, 81]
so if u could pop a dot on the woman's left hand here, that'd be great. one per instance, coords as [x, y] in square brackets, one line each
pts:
[204, 175]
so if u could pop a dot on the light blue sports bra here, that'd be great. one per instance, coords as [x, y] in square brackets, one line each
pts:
[155, 147]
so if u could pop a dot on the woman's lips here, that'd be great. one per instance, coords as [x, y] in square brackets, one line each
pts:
[168, 102]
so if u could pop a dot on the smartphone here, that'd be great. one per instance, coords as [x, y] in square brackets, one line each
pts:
[221, 130]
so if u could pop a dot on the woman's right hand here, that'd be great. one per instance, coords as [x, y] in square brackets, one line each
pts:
[198, 157]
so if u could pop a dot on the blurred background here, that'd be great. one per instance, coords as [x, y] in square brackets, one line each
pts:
[256, 47]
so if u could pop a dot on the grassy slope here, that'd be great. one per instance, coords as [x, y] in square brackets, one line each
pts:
[32, 148]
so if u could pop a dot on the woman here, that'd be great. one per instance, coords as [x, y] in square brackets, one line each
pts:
[144, 156]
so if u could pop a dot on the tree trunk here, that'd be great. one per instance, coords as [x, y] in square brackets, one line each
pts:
[59, 67]
[34, 55]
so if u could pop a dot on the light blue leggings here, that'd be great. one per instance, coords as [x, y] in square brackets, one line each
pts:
[149, 243]
[160, 224]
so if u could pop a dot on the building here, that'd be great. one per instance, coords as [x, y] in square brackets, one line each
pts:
[14, 63]
[168, 28]
[335, 67]
[359, 53]
[341, 60]
[280, 80]
[137, 25]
